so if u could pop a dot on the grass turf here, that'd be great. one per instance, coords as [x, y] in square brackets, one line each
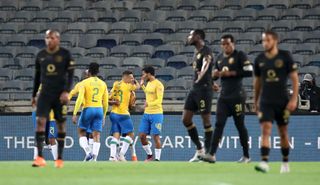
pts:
[158, 173]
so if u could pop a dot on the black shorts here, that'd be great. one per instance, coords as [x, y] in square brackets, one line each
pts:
[231, 107]
[199, 99]
[278, 113]
[48, 102]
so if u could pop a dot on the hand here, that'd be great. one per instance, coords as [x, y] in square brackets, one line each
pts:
[64, 98]
[103, 121]
[74, 119]
[215, 87]
[292, 105]
[227, 73]
[33, 102]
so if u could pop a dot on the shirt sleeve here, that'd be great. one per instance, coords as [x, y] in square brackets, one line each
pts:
[37, 75]
[105, 101]
[256, 68]
[246, 66]
[79, 100]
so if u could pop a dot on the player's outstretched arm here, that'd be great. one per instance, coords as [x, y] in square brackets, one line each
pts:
[105, 102]
[78, 104]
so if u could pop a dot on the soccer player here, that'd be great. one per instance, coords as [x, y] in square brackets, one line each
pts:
[231, 66]
[93, 94]
[89, 136]
[121, 123]
[200, 96]
[272, 69]
[54, 70]
[152, 119]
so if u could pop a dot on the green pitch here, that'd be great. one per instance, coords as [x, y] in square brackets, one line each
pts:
[163, 173]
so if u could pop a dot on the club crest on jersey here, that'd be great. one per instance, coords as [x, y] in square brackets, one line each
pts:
[58, 58]
[198, 56]
[278, 63]
[231, 60]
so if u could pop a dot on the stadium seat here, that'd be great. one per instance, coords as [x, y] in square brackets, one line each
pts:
[88, 16]
[76, 28]
[56, 5]
[12, 85]
[68, 40]
[166, 73]
[22, 16]
[97, 28]
[109, 16]
[157, 63]
[233, 27]
[271, 14]
[4, 97]
[122, 5]
[121, 51]
[10, 64]
[9, 5]
[177, 61]
[132, 62]
[77, 52]
[154, 39]
[7, 52]
[233, 4]
[223, 15]
[255, 4]
[144, 27]
[312, 14]
[305, 49]
[313, 60]
[9, 28]
[120, 27]
[83, 63]
[165, 27]
[31, 5]
[5, 74]
[137, 72]
[97, 52]
[292, 14]
[176, 84]
[20, 96]
[281, 26]
[286, 46]
[167, 5]
[88, 41]
[77, 76]
[111, 62]
[30, 28]
[188, 51]
[257, 26]
[157, 16]
[186, 73]
[176, 39]
[189, 5]
[294, 37]
[200, 15]
[27, 52]
[177, 15]
[132, 39]
[108, 41]
[143, 51]
[255, 50]
[302, 4]
[306, 25]
[101, 6]
[299, 59]
[311, 37]
[26, 62]
[210, 5]
[75, 5]
[59, 26]
[187, 26]
[144, 6]
[164, 51]
[213, 27]
[247, 38]
[284, 4]
[131, 16]
[246, 14]
[65, 16]
[3, 17]
[309, 69]
[17, 40]
[174, 95]
[24, 74]
[114, 74]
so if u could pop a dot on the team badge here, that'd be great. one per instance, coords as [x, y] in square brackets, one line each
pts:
[51, 68]
[198, 56]
[279, 63]
[225, 68]
[58, 58]
[158, 126]
[231, 60]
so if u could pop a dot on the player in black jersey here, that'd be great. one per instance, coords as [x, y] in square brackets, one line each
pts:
[200, 96]
[231, 66]
[272, 69]
[54, 70]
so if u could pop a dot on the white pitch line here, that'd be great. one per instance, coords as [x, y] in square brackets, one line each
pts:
[308, 143]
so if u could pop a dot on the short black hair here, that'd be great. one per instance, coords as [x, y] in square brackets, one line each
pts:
[228, 36]
[272, 33]
[200, 33]
[149, 69]
[127, 72]
[93, 68]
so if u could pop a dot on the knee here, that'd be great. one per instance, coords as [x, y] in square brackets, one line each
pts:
[186, 122]
[143, 136]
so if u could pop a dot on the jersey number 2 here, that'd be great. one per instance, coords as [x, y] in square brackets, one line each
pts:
[95, 93]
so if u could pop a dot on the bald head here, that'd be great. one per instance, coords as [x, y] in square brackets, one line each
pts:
[52, 39]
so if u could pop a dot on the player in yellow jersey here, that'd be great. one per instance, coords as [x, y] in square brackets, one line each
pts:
[120, 117]
[95, 93]
[152, 119]
[51, 133]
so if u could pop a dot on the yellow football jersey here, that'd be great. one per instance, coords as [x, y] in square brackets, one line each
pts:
[75, 91]
[51, 116]
[93, 92]
[121, 91]
[154, 96]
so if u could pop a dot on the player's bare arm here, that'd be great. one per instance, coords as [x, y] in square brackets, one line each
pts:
[292, 104]
[257, 89]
